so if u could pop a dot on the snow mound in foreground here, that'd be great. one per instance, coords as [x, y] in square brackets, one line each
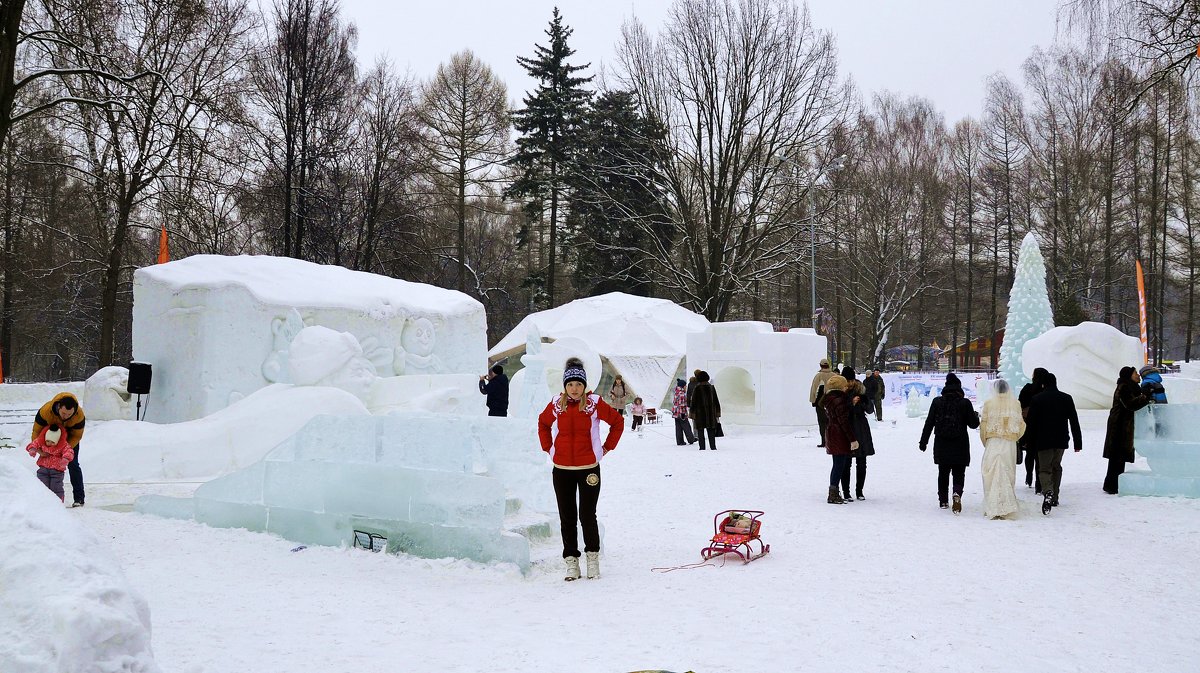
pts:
[65, 605]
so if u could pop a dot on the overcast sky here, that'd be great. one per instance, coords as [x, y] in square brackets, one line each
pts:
[940, 49]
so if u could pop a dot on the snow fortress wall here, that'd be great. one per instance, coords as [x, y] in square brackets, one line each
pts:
[757, 371]
[218, 328]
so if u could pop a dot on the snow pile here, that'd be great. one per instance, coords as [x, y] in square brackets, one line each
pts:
[218, 328]
[1029, 314]
[1086, 360]
[65, 605]
[106, 395]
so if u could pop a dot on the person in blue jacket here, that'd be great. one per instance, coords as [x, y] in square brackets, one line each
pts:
[1152, 385]
[495, 386]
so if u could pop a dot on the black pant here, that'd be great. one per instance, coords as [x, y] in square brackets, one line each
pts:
[566, 483]
[76, 477]
[1031, 475]
[712, 437]
[840, 465]
[822, 421]
[497, 412]
[1116, 467]
[879, 408]
[684, 428]
[960, 477]
[637, 420]
[860, 473]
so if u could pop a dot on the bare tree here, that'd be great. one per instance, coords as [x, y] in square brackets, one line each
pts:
[125, 151]
[303, 78]
[464, 110]
[746, 89]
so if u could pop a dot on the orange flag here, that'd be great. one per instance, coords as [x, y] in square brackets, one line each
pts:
[1142, 312]
[163, 255]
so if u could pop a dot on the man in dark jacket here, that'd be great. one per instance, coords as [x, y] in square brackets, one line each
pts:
[950, 415]
[495, 386]
[1046, 425]
[705, 408]
[816, 391]
[875, 389]
[1028, 392]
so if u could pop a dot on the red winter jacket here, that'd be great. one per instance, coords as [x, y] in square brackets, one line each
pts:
[55, 457]
[572, 437]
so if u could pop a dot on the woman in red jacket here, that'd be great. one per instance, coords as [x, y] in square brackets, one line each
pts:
[839, 433]
[569, 429]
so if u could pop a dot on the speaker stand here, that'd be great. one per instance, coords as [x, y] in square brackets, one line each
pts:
[137, 414]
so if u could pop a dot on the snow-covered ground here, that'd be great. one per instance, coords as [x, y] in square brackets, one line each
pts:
[890, 584]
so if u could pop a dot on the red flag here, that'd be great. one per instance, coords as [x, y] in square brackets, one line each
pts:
[1142, 312]
[163, 255]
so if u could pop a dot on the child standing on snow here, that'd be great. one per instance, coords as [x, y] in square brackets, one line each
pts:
[638, 411]
[53, 454]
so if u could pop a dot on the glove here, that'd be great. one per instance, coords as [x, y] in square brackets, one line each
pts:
[854, 446]
[922, 446]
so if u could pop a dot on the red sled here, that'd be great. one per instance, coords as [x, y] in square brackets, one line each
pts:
[734, 532]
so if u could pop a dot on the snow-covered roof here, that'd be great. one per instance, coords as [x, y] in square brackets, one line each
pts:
[614, 325]
[287, 281]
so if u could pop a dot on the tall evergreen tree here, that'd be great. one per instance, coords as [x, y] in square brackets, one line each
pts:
[548, 124]
[618, 187]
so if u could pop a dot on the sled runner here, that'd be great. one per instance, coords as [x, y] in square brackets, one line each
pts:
[734, 532]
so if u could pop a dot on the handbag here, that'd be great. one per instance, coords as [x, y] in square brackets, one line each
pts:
[717, 431]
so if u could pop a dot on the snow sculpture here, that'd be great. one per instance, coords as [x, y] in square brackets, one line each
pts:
[1085, 359]
[434, 486]
[106, 396]
[756, 370]
[332, 375]
[528, 401]
[641, 338]
[218, 328]
[319, 356]
[1029, 314]
[66, 604]
[1165, 435]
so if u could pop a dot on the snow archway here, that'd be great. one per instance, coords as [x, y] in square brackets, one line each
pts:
[736, 387]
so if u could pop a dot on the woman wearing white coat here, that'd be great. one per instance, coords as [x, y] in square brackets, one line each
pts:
[1000, 425]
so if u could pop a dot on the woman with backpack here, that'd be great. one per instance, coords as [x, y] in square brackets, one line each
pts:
[950, 415]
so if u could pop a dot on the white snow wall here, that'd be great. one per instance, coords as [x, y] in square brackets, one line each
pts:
[217, 328]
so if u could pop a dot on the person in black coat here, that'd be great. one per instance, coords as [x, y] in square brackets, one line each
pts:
[1028, 391]
[705, 409]
[1118, 440]
[495, 386]
[1050, 414]
[949, 416]
[861, 407]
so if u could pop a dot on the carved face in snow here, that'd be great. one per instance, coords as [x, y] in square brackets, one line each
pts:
[320, 356]
[355, 378]
[418, 339]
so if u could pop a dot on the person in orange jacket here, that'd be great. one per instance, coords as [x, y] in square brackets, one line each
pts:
[569, 429]
[64, 410]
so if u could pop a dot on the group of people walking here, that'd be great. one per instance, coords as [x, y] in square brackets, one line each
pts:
[1039, 426]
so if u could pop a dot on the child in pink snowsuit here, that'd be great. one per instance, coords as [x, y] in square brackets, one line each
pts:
[53, 455]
